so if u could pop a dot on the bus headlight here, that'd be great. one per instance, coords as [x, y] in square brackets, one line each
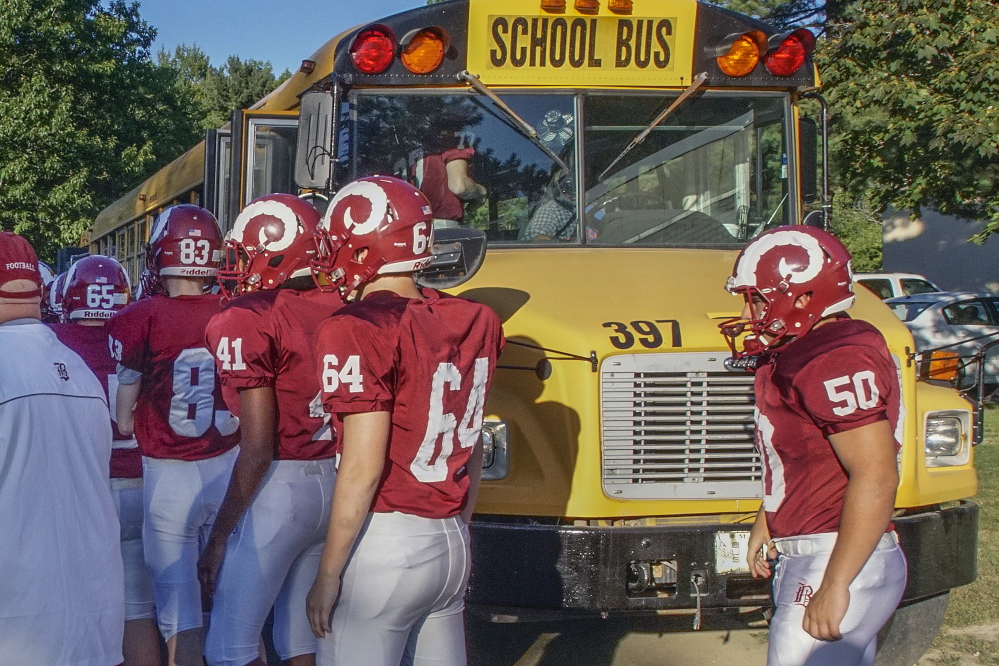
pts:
[946, 438]
[495, 454]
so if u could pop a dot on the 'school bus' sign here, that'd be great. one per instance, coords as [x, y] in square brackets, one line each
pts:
[571, 50]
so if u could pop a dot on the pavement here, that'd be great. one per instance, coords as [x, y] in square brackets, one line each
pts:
[728, 638]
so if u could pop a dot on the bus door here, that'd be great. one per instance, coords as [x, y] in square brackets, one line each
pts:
[218, 174]
[263, 161]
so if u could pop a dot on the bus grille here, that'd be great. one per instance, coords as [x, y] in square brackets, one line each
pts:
[677, 426]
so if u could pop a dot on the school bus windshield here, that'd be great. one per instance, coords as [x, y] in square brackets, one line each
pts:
[712, 173]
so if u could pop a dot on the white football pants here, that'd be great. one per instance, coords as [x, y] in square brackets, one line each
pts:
[403, 595]
[127, 496]
[874, 595]
[181, 499]
[271, 559]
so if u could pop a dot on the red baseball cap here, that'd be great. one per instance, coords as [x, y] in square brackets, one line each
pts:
[18, 261]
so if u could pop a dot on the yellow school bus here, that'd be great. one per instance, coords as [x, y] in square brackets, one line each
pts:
[626, 149]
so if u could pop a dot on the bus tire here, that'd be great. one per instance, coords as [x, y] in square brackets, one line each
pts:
[910, 631]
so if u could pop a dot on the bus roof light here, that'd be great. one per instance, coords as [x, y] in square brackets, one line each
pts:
[743, 54]
[620, 6]
[423, 50]
[553, 5]
[373, 49]
[587, 6]
[790, 53]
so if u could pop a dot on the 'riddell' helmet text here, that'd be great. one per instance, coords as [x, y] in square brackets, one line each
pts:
[776, 269]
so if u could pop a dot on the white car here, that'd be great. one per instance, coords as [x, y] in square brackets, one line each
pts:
[961, 322]
[893, 285]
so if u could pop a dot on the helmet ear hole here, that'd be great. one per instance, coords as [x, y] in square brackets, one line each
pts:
[275, 261]
[360, 254]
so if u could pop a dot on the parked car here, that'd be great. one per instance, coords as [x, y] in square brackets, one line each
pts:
[894, 285]
[961, 322]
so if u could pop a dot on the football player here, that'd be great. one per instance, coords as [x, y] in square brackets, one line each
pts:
[828, 428]
[186, 435]
[408, 370]
[96, 287]
[52, 308]
[264, 549]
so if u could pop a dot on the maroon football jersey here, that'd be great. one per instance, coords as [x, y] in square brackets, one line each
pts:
[91, 343]
[838, 377]
[430, 175]
[428, 362]
[267, 338]
[180, 413]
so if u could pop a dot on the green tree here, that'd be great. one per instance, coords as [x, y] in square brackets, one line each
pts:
[83, 114]
[213, 93]
[236, 85]
[913, 86]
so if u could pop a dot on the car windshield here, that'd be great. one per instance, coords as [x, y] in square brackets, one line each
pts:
[909, 310]
[915, 286]
[713, 173]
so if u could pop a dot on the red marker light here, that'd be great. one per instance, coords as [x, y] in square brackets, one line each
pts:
[790, 55]
[373, 50]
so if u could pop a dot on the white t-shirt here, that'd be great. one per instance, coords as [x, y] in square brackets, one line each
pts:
[61, 579]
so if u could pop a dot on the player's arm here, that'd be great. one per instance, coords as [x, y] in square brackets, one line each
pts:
[126, 396]
[460, 182]
[362, 461]
[868, 456]
[474, 469]
[258, 423]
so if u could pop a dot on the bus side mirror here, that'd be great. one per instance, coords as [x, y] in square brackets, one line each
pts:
[458, 253]
[314, 158]
[808, 131]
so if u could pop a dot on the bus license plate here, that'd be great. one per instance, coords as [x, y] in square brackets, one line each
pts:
[730, 552]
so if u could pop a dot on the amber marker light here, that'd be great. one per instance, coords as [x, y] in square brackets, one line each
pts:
[423, 51]
[553, 5]
[373, 49]
[587, 6]
[620, 6]
[790, 54]
[743, 55]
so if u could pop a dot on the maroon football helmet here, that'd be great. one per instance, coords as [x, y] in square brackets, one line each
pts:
[186, 241]
[96, 287]
[778, 267]
[270, 242]
[386, 216]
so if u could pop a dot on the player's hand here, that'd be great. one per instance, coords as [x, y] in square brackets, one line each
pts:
[825, 612]
[209, 565]
[757, 558]
[319, 604]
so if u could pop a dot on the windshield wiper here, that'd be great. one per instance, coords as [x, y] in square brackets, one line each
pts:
[525, 127]
[644, 134]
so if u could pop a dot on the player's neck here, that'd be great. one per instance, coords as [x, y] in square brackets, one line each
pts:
[88, 322]
[11, 309]
[184, 286]
[404, 285]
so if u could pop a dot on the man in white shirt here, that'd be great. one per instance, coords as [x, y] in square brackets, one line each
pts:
[62, 589]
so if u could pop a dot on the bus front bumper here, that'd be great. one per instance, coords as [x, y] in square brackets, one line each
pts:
[552, 567]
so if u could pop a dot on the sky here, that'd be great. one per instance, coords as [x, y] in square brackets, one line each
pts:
[284, 32]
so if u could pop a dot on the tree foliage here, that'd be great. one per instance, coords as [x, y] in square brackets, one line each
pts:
[214, 92]
[83, 112]
[914, 85]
